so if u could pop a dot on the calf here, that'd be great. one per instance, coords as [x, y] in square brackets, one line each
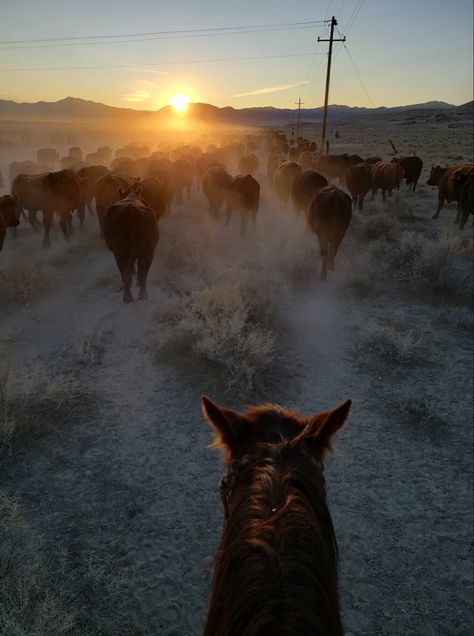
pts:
[329, 216]
[131, 233]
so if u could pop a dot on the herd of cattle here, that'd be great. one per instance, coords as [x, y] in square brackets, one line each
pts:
[136, 188]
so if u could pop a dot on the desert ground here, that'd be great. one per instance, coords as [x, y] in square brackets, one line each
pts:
[110, 513]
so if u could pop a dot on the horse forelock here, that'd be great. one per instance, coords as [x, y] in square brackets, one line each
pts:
[277, 562]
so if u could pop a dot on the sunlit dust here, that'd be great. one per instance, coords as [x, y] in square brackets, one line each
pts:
[180, 102]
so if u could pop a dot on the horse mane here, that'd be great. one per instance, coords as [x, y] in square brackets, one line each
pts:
[276, 567]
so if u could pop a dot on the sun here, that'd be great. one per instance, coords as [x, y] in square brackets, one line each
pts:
[180, 102]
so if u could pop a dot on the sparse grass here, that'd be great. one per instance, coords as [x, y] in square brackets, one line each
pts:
[389, 342]
[437, 264]
[91, 346]
[22, 283]
[227, 323]
[36, 402]
[42, 592]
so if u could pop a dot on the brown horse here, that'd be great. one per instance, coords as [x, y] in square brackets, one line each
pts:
[276, 567]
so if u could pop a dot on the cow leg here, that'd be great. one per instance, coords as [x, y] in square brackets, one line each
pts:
[47, 221]
[361, 201]
[126, 271]
[143, 266]
[374, 192]
[64, 223]
[463, 220]
[440, 205]
[81, 213]
[228, 214]
[383, 194]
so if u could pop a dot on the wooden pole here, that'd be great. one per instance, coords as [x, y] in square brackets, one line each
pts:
[328, 78]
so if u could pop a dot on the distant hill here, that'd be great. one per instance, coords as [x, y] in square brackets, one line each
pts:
[75, 109]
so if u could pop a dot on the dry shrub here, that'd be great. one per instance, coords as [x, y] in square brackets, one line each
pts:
[44, 592]
[36, 402]
[228, 323]
[430, 264]
[21, 282]
[389, 342]
[377, 226]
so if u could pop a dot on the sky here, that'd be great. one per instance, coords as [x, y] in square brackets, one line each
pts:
[396, 53]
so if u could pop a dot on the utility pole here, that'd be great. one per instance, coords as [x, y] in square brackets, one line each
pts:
[299, 103]
[328, 77]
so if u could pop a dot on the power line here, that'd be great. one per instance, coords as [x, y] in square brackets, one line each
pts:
[353, 17]
[90, 39]
[224, 59]
[153, 39]
[359, 75]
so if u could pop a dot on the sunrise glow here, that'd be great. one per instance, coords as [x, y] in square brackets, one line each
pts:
[180, 102]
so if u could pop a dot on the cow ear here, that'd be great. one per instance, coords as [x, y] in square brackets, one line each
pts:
[121, 192]
[320, 428]
[229, 426]
[459, 176]
[15, 199]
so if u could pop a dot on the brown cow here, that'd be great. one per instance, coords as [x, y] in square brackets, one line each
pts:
[336, 166]
[181, 174]
[72, 163]
[155, 193]
[329, 216]
[48, 157]
[304, 187]
[28, 190]
[444, 179]
[125, 165]
[8, 216]
[243, 195]
[248, 164]
[412, 166]
[107, 193]
[105, 154]
[359, 182]
[214, 185]
[387, 176]
[284, 176]
[307, 160]
[89, 177]
[272, 164]
[131, 233]
[25, 167]
[75, 153]
[62, 194]
[464, 190]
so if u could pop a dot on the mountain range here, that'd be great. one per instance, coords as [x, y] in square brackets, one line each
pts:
[75, 109]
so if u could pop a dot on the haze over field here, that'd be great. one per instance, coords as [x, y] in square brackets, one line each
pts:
[172, 227]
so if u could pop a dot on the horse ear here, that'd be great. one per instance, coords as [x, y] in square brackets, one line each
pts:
[321, 427]
[228, 424]
[335, 420]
